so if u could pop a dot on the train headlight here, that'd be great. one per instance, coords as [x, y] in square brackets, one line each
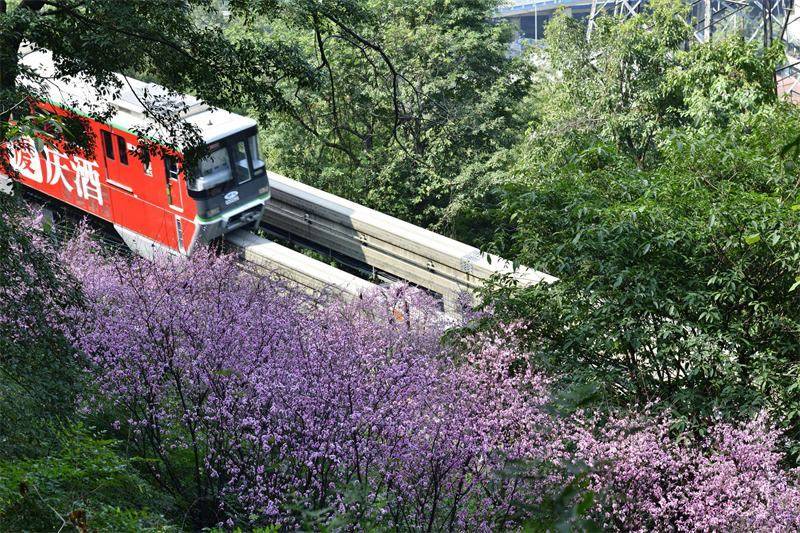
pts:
[264, 189]
[212, 212]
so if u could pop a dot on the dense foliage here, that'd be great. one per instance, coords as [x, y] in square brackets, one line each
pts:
[37, 367]
[300, 413]
[653, 184]
[55, 470]
[398, 143]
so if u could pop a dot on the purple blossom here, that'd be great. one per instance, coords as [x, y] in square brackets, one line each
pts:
[258, 404]
[280, 398]
[731, 480]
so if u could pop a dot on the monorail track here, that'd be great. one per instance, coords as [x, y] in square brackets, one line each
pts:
[379, 243]
[264, 257]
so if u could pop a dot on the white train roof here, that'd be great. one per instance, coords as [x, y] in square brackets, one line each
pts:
[81, 96]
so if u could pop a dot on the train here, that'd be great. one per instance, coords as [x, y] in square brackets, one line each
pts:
[151, 201]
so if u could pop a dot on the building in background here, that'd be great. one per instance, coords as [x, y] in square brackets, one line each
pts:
[531, 16]
[762, 21]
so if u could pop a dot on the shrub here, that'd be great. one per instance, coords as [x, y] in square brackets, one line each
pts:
[82, 482]
[37, 365]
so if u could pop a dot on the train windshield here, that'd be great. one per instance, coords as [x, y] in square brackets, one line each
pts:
[215, 168]
[248, 160]
[234, 158]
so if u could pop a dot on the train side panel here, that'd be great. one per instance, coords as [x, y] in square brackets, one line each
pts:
[73, 179]
[146, 199]
[113, 184]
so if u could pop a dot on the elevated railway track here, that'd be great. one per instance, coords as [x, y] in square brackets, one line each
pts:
[380, 247]
[371, 240]
[261, 256]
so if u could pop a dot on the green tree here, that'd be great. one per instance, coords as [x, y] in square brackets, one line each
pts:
[653, 185]
[38, 368]
[183, 45]
[398, 142]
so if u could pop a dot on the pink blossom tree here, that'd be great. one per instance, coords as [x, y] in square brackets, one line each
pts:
[649, 480]
[254, 404]
[252, 400]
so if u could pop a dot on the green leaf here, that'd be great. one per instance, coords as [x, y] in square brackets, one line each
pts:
[753, 238]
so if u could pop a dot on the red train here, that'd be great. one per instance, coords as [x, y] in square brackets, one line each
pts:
[152, 206]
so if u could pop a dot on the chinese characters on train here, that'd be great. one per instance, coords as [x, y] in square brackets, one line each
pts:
[72, 172]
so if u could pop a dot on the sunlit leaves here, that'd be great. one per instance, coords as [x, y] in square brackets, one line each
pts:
[677, 257]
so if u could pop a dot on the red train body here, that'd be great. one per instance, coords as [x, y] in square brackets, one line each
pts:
[152, 206]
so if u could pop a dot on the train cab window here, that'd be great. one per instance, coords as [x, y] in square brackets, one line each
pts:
[171, 165]
[173, 194]
[258, 168]
[242, 162]
[107, 145]
[252, 144]
[123, 150]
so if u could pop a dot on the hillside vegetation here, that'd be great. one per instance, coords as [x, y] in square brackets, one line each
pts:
[655, 386]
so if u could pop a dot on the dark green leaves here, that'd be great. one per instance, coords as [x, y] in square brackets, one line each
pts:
[656, 186]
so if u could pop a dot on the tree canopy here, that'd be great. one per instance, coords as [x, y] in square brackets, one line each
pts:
[182, 45]
[398, 144]
[653, 183]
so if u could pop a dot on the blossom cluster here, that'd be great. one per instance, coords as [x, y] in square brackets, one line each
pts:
[354, 408]
[255, 403]
[32, 296]
[730, 480]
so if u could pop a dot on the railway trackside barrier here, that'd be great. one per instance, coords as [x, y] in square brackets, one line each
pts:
[266, 257]
[419, 256]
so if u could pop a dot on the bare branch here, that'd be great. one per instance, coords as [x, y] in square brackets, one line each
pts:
[395, 74]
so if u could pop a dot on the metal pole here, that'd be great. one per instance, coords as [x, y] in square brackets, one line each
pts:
[767, 22]
[592, 14]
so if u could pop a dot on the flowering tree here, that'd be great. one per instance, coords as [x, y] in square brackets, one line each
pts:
[729, 481]
[256, 404]
[37, 368]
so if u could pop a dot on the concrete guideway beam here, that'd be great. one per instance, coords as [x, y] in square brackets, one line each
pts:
[265, 257]
[422, 257]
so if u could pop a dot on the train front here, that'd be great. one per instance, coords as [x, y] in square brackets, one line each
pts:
[230, 186]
